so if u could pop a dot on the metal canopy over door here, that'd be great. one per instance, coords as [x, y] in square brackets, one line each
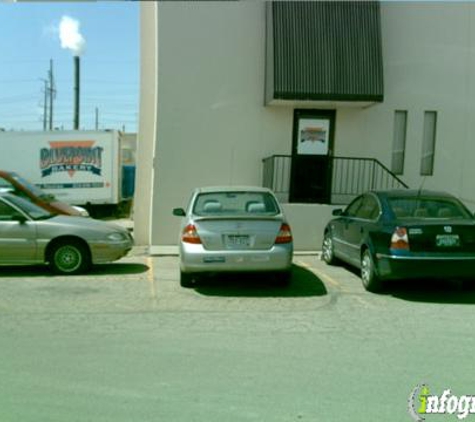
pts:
[312, 145]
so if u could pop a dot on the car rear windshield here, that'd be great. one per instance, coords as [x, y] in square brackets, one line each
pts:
[434, 208]
[252, 204]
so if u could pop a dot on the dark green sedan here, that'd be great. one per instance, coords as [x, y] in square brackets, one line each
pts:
[403, 234]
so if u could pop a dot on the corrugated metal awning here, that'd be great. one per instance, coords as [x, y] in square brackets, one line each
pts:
[324, 51]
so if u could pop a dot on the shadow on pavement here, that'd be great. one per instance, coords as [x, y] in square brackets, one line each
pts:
[119, 268]
[97, 270]
[427, 291]
[433, 291]
[303, 283]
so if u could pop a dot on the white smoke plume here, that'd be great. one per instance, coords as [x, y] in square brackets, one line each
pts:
[70, 36]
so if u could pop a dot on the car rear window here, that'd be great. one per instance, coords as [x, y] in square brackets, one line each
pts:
[252, 204]
[433, 208]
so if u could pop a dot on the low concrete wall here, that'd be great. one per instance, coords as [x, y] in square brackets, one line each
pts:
[307, 222]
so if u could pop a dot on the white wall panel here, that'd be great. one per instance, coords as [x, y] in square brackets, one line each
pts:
[212, 127]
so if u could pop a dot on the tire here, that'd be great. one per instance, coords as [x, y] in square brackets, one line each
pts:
[69, 257]
[328, 254]
[369, 277]
[186, 279]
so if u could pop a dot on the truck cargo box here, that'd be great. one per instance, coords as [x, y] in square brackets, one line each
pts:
[77, 167]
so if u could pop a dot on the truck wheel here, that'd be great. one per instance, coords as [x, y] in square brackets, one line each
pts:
[69, 257]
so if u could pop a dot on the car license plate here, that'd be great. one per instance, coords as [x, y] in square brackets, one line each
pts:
[214, 260]
[447, 240]
[238, 240]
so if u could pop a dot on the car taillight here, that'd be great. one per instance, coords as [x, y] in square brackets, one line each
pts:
[285, 234]
[190, 235]
[400, 239]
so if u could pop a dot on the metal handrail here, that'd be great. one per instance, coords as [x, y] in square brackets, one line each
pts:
[350, 176]
[377, 162]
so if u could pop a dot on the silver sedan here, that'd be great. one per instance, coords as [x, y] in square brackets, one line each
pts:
[227, 229]
[70, 245]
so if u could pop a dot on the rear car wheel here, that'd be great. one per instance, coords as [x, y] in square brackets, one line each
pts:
[186, 279]
[69, 257]
[370, 279]
[328, 254]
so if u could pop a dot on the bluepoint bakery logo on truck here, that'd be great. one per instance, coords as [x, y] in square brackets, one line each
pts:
[70, 157]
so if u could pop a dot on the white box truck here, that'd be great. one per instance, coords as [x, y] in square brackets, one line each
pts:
[77, 167]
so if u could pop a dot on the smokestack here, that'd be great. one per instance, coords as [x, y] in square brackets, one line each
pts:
[72, 40]
[77, 69]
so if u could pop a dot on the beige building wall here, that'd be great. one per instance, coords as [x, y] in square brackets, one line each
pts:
[212, 127]
[429, 60]
[147, 133]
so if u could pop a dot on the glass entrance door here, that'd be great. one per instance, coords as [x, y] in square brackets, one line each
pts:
[312, 145]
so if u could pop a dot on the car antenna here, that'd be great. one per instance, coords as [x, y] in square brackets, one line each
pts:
[419, 191]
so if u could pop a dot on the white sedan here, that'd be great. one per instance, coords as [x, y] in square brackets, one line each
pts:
[233, 229]
[70, 245]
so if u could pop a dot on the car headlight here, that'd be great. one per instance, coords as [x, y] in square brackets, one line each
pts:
[116, 237]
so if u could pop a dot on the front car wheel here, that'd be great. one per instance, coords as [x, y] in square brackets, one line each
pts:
[69, 258]
[328, 254]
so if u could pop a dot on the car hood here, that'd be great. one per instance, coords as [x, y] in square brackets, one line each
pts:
[84, 227]
[64, 208]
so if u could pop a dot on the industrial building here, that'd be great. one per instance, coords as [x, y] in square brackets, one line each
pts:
[317, 100]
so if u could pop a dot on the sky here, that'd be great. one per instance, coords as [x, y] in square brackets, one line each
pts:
[30, 39]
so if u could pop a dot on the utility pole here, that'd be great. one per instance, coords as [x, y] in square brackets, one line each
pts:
[97, 118]
[52, 93]
[45, 105]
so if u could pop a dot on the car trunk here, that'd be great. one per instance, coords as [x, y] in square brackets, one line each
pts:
[441, 236]
[238, 234]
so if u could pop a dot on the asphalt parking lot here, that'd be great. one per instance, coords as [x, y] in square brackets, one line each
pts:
[126, 342]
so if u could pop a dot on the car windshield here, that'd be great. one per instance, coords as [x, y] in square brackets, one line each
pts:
[36, 191]
[32, 210]
[424, 207]
[252, 204]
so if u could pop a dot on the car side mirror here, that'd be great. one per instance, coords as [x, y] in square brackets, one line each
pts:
[20, 218]
[179, 212]
[338, 212]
